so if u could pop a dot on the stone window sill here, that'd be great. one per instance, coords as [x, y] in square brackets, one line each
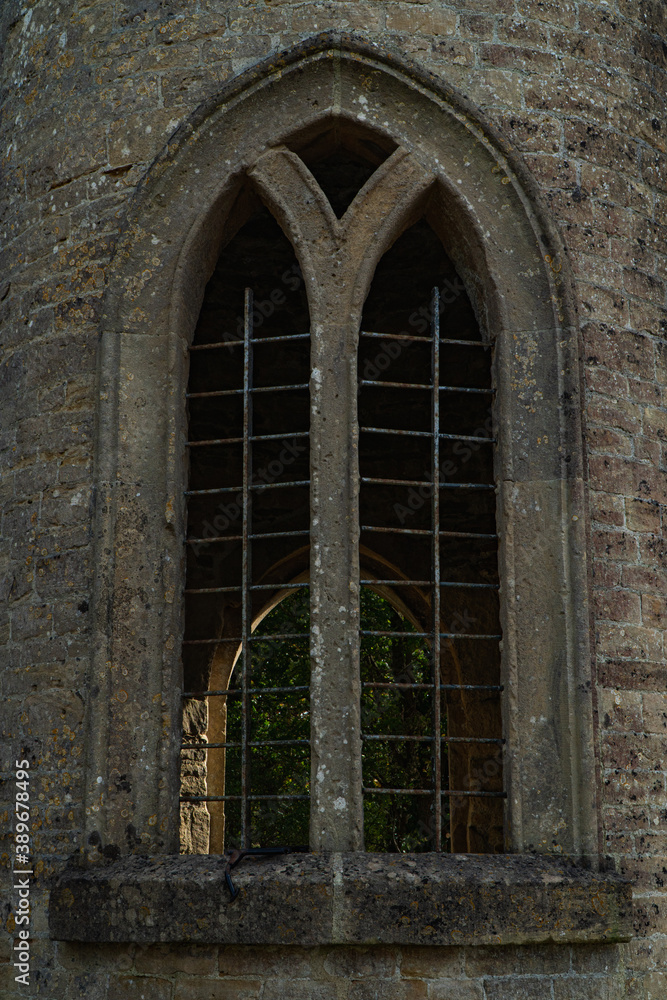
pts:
[319, 899]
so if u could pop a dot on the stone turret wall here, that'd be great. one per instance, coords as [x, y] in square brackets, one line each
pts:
[91, 93]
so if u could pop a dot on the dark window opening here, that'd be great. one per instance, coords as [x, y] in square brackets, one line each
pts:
[341, 159]
[247, 547]
[425, 418]
[430, 633]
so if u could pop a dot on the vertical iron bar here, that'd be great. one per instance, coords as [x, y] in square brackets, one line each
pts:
[246, 607]
[437, 745]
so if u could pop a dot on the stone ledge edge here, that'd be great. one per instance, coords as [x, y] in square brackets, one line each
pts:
[361, 899]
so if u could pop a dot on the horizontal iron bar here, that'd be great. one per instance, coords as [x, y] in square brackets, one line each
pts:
[428, 635]
[219, 539]
[212, 590]
[431, 739]
[468, 437]
[254, 437]
[278, 534]
[395, 385]
[256, 637]
[429, 687]
[422, 482]
[424, 340]
[467, 534]
[239, 392]
[255, 586]
[397, 791]
[393, 430]
[464, 343]
[424, 385]
[260, 690]
[425, 531]
[428, 583]
[452, 793]
[395, 336]
[210, 441]
[253, 538]
[399, 739]
[427, 434]
[280, 340]
[253, 340]
[253, 486]
[259, 743]
[397, 531]
[238, 798]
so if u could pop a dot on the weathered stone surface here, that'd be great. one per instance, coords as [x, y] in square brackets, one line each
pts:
[90, 93]
[355, 898]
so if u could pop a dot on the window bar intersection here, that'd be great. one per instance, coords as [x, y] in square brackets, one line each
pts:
[436, 434]
[245, 691]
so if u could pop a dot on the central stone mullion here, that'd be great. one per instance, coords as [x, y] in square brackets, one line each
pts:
[336, 810]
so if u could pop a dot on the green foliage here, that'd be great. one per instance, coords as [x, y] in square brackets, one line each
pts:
[275, 770]
[392, 822]
[395, 822]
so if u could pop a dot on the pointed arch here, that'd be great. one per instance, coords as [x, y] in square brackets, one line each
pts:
[504, 246]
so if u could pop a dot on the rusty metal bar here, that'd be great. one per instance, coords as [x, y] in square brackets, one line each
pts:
[219, 539]
[212, 590]
[251, 743]
[238, 798]
[468, 534]
[433, 739]
[429, 635]
[452, 793]
[429, 687]
[396, 531]
[255, 690]
[239, 392]
[423, 385]
[218, 345]
[393, 430]
[429, 583]
[252, 486]
[468, 437]
[256, 586]
[239, 538]
[421, 482]
[257, 637]
[465, 343]
[395, 336]
[390, 685]
[281, 340]
[255, 437]
[426, 531]
[424, 340]
[435, 514]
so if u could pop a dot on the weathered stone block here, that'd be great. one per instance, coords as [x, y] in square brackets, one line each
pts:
[461, 899]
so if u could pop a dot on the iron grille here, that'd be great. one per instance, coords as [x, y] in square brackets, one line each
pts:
[435, 583]
[252, 591]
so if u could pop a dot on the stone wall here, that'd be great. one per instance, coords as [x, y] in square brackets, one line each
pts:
[163, 972]
[91, 91]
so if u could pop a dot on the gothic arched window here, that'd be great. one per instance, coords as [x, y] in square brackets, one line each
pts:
[353, 186]
[393, 463]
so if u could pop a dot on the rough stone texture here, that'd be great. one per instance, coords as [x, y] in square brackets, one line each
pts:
[353, 898]
[494, 229]
[90, 94]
